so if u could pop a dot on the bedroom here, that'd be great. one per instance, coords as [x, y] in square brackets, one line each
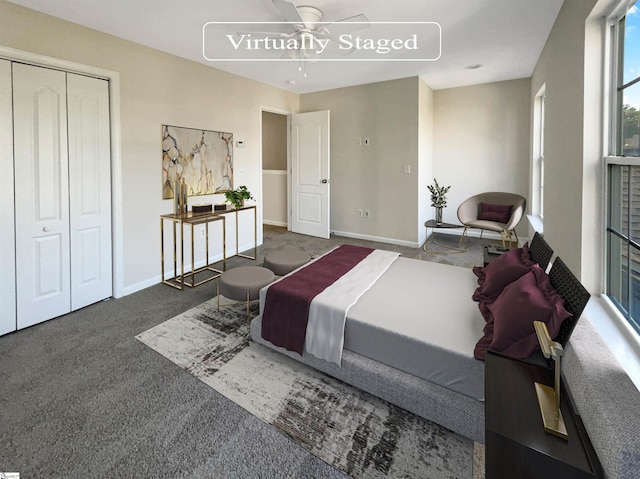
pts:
[155, 88]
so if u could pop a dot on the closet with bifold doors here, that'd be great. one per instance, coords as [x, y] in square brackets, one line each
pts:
[55, 193]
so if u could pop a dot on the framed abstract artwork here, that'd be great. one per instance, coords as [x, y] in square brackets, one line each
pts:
[203, 159]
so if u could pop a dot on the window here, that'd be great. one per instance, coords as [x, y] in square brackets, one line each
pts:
[623, 171]
[537, 162]
[539, 167]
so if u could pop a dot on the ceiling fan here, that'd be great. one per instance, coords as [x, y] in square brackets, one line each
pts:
[309, 35]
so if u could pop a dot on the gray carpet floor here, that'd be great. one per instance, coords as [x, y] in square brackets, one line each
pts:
[80, 397]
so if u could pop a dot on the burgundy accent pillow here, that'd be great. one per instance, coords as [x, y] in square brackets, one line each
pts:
[510, 325]
[502, 271]
[499, 213]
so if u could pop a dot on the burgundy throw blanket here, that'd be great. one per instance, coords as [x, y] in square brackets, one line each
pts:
[286, 309]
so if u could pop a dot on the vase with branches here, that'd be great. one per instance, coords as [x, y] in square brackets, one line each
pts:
[438, 198]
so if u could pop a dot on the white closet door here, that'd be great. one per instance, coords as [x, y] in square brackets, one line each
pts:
[42, 194]
[90, 189]
[7, 231]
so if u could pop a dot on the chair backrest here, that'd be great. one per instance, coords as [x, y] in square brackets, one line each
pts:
[468, 210]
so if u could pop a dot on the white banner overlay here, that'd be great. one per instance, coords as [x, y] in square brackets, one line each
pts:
[285, 41]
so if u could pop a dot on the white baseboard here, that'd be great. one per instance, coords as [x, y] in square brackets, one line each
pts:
[274, 223]
[168, 272]
[380, 239]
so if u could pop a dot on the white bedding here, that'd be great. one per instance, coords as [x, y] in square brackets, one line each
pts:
[328, 310]
[419, 318]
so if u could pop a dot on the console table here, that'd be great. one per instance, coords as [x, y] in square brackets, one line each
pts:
[191, 220]
[516, 445]
[255, 228]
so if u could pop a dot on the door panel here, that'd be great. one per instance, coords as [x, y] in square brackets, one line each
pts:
[7, 231]
[42, 194]
[310, 189]
[90, 189]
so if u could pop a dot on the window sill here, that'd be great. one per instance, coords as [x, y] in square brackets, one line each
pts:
[620, 337]
[535, 221]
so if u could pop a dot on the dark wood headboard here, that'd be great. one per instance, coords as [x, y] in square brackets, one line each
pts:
[575, 297]
[540, 251]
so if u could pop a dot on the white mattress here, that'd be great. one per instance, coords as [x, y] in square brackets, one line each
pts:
[419, 318]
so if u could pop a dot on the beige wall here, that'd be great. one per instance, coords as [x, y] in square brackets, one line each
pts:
[371, 177]
[274, 141]
[274, 185]
[156, 89]
[481, 141]
[561, 67]
[425, 157]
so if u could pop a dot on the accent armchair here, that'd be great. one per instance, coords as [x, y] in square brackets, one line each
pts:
[493, 211]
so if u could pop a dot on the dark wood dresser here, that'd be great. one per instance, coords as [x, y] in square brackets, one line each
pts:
[516, 445]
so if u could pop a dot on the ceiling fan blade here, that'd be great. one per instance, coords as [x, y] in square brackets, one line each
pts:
[346, 25]
[269, 34]
[288, 11]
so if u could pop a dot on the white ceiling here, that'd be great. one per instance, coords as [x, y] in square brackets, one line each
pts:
[504, 36]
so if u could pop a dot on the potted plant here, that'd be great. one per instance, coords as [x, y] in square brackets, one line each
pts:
[236, 197]
[438, 198]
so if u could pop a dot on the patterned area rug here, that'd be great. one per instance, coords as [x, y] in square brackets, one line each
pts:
[361, 435]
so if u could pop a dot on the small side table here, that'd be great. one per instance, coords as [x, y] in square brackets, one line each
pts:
[516, 445]
[448, 249]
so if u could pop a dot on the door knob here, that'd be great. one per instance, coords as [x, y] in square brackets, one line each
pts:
[46, 229]
[325, 181]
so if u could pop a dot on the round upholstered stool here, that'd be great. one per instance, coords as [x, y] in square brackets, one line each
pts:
[283, 262]
[244, 283]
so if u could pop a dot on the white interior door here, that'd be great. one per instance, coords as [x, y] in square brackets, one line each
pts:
[42, 194]
[310, 186]
[89, 189]
[7, 231]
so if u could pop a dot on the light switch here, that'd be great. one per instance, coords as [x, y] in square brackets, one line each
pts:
[406, 169]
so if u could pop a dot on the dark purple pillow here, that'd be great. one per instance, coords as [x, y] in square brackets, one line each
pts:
[530, 298]
[499, 213]
[502, 271]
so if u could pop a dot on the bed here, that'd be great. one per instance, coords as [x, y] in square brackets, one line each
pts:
[423, 360]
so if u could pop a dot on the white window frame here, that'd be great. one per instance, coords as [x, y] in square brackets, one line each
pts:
[537, 163]
[611, 125]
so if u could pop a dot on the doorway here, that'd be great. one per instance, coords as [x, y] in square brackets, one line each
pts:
[274, 169]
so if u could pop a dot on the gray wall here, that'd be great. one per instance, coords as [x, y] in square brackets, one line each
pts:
[569, 192]
[481, 141]
[372, 177]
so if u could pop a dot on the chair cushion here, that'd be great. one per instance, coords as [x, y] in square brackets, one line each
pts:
[491, 212]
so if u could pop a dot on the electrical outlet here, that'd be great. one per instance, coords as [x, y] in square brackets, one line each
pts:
[367, 214]
[359, 213]
[202, 235]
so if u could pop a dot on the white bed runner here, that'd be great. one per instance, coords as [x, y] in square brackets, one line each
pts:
[328, 310]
